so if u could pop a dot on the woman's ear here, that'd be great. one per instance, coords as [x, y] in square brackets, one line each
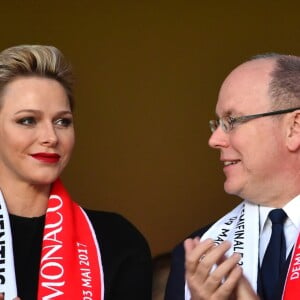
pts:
[293, 132]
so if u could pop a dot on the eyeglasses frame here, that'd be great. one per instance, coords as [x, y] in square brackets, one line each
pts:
[214, 124]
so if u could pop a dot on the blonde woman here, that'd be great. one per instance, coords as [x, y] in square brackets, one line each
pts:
[50, 247]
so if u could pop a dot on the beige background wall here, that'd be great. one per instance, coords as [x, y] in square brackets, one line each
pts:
[148, 73]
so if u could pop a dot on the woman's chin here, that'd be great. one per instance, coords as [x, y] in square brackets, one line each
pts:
[47, 180]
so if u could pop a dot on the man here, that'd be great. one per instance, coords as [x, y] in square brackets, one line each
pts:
[258, 135]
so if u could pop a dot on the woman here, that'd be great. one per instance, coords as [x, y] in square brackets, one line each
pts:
[49, 246]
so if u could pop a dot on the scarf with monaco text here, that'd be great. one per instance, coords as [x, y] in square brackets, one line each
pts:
[70, 266]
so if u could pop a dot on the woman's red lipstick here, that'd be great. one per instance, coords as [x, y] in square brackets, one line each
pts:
[51, 158]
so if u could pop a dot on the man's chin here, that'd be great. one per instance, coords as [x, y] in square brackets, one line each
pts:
[231, 188]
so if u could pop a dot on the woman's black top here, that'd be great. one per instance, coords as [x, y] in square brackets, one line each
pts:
[124, 251]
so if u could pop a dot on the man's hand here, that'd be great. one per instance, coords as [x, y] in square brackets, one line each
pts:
[244, 290]
[225, 282]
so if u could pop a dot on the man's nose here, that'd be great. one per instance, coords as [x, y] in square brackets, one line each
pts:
[218, 139]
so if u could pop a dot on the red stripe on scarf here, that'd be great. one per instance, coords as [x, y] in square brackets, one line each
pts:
[70, 265]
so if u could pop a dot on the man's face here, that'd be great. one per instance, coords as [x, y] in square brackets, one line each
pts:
[252, 153]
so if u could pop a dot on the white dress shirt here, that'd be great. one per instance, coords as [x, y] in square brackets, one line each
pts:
[291, 226]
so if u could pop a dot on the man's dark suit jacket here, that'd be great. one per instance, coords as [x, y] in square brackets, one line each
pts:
[176, 282]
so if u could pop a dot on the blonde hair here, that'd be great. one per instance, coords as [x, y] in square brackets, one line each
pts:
[36, 60]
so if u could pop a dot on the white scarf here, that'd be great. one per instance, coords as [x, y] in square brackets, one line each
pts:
[241, 228]
[7, 268]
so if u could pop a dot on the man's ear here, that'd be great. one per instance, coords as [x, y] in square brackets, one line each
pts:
[293, 131]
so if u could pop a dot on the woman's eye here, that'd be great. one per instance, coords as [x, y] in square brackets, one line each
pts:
[27, 121]
[64, 122]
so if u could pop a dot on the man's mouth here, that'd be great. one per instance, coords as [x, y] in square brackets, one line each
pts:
[230, 162]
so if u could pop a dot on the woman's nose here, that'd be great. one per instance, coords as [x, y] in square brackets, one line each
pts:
[49, 135]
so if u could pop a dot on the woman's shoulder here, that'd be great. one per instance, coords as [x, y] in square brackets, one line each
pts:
[115, 227]
[103, 217]
[125, 256]
[111, 219]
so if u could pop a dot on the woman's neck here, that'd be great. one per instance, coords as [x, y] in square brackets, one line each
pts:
[23, 199]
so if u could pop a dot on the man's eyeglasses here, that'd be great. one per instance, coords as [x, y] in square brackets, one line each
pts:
[228, 122]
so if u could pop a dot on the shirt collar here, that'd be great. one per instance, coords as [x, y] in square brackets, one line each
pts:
[292, 209]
